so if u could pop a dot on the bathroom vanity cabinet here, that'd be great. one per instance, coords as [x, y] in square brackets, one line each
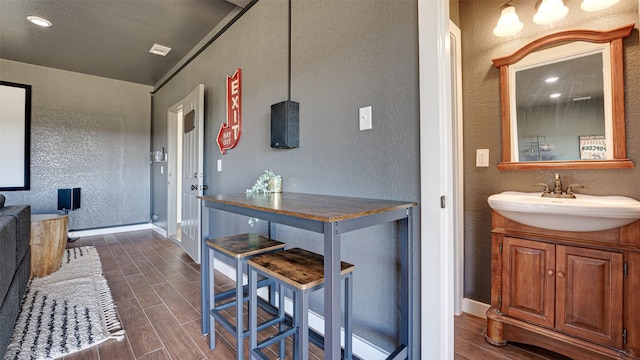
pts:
[576, 293]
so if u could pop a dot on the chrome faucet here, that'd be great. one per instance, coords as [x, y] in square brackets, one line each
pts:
[557, 189]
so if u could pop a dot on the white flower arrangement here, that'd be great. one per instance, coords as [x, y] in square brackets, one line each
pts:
[267, 183]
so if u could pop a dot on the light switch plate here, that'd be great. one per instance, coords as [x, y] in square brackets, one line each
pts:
[365, 118]
[482, 157]
[219, 164]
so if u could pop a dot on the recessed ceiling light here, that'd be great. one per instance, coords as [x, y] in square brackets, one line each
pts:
[39, 21]
[555, 95]
[551, 79]
[159, 50]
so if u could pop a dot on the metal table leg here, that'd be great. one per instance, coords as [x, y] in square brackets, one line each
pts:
[332, 291]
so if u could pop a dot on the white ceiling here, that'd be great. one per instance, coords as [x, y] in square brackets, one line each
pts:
[109, 38]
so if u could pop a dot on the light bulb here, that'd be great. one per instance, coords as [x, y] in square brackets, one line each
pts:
[550, 11]
[595, 5]
[509, 23]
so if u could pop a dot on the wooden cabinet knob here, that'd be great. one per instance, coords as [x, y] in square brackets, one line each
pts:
[560, 274]
[550, 272]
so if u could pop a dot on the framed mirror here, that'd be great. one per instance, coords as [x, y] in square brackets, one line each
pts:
[15, 136]
[562, 102]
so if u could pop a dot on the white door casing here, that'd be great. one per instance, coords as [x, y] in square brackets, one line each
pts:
[458, 164]
[192, 172]
[436, 180]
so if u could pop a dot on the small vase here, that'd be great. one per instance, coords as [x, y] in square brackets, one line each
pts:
[275, 184]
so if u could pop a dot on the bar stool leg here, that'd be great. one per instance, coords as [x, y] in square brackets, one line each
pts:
[239, 311]
[281, 316]
[253, 311]
[348, 317]
[212, 301]
[303, 326]
[295, 323]
[206, 279]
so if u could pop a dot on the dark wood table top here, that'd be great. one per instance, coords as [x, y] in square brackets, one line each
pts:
[325, 208]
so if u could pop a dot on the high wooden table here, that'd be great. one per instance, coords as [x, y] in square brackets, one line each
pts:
[48, 241]
[331, 216]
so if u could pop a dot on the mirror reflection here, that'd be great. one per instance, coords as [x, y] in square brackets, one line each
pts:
[560, 104]
[562, 99]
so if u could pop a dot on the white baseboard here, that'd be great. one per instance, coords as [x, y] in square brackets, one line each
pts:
[109, 230]
[475, 307]
[160, 230]
[361, 347]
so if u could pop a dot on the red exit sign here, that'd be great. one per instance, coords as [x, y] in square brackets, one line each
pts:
[230, 131]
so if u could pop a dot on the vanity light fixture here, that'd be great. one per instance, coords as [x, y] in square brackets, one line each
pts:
[595, 5]
[551, 79]
[550, 11]
[509, 23]
[555, 95]
[39, 21]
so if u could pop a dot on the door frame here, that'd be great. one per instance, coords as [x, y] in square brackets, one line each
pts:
[458, 164]
[437, 255]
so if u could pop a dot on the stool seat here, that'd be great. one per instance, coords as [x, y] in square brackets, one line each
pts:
[238, 248]
[302, 272]
[297, 267]
[244, 245]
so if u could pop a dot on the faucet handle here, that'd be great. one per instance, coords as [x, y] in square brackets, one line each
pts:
[573, 186]
[545, 187]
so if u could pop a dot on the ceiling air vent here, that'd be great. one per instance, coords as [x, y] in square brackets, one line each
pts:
[160, 50]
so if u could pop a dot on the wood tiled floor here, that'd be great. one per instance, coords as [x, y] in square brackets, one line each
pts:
[156, 287]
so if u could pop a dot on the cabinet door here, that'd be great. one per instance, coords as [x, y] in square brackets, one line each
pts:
[589, 294]
[528, 280]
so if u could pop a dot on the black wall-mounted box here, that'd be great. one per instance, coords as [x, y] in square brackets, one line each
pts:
[285, 125]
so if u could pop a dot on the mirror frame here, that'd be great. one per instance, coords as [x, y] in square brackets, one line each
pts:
[614, 38]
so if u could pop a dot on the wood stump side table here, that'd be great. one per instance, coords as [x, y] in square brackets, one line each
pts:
[48, 241]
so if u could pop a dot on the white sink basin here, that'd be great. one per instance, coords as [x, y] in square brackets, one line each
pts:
[584, 213]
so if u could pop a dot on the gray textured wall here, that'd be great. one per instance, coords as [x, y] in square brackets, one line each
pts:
[345, 55]
[88, 132]
[482, 120]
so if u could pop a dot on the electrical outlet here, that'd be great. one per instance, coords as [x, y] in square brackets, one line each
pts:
[482, 157]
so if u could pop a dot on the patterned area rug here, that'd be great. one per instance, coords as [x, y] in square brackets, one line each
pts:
[66, 311]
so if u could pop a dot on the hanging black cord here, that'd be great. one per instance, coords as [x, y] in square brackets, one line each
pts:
[289, 80]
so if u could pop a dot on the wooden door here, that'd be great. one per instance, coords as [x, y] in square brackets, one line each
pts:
[589, 294]
[528, 280]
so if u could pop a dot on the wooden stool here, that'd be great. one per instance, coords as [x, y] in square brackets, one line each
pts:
[239, 248]
[303, 272]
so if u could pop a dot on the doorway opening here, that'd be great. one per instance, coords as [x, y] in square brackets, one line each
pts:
[174, 176]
